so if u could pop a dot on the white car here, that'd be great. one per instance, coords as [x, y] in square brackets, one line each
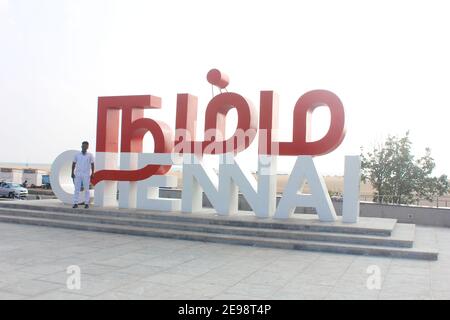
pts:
[12, 190]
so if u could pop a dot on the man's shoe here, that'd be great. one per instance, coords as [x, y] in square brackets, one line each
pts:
[75, 206]
[86, 206]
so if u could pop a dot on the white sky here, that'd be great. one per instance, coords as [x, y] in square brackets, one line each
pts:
[388, 61]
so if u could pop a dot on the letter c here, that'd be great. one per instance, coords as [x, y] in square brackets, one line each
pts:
[60, 177]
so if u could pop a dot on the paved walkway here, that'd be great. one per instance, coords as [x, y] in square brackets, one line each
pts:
[34, 262]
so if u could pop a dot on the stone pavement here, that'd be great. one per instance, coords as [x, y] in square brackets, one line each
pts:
[34, 262]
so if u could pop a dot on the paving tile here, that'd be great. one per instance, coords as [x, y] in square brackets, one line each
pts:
[59, 278]
[168, 278]
[207, 262]
[303, 292]
[408, 263]
[138, 257]
[440, 283]
[94, 287]
[199, 289]
[8, 267]
[28, 259]
[419, 271]
[406, 282]
[350, 296]
[166, 261]
[216, 278]
[116, 262]
[16, 276]
[146, 290]
[117, 295]
[254, 290]
[59, 295]
[97, 269]
[189, 270]
[142, 270]
[30, 287]
[440, 295]
[43, 269]
[268, 278]
[11, 296]
[415, 295]
[355, 288]
[232, 296]
[318, 277]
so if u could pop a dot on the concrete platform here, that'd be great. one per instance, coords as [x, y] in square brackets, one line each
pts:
[371, 236]
[374, 226]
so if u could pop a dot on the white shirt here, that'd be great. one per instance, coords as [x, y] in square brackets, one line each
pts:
[83, 164]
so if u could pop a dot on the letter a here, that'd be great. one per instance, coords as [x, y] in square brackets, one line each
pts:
[304, 170]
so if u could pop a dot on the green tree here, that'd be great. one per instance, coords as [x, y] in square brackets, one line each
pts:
[397, 176]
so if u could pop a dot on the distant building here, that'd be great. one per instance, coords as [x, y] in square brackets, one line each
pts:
[16, 175]
[33, 176]
[11, 175]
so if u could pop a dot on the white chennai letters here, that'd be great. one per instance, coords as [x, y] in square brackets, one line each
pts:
[222, 188]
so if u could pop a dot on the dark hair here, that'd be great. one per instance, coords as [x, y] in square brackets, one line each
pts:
[85, 142]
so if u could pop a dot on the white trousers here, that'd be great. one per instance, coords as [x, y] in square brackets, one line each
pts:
[85, 181]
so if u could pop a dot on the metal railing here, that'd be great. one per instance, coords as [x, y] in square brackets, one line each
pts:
[439, 202]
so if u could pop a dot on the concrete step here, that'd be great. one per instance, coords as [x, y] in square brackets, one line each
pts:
[300, 222]
[402, 236]
[412, 253]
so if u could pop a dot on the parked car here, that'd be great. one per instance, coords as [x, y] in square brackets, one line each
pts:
[12, 190]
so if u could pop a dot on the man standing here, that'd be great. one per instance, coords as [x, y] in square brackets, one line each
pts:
[82, 171]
